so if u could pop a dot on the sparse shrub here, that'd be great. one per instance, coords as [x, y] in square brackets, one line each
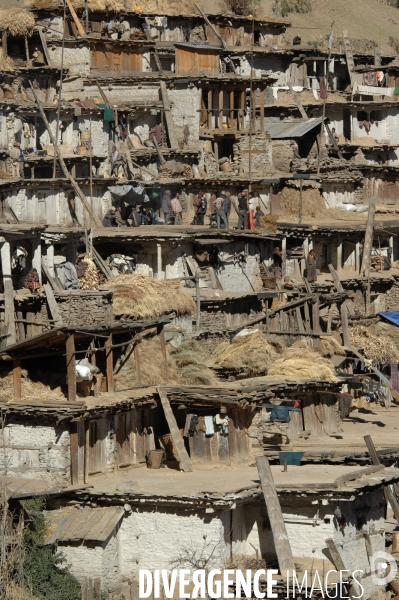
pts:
[295, 6]
[243, 7]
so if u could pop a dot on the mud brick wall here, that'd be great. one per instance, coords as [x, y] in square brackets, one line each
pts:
[392, 297]
[261, 154]
[82, 308]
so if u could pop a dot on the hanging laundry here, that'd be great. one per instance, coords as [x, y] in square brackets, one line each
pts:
[222, 423]
[193, 424]
[280, 412]
[395, 377]
[200, 425]
[209, 428]
[370, 78]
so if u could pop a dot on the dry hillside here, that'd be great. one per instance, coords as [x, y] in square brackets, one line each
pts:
[372, 20]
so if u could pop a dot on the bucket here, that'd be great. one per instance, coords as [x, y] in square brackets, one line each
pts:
[293, 458]
[225, 167]
[155, 459]
[85, 136]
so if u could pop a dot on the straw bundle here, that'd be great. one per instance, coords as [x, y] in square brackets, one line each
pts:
[91, 278]
[300, 361]
[312, 205]
[190, 365]
[374, 347]
[269, 222]
[252, 352]
[37, 384]
[14, 592]
[146, 298]
[330, 346]
[17, 21]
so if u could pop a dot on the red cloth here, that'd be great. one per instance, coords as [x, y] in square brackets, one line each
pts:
[251, 222]
[323, 89]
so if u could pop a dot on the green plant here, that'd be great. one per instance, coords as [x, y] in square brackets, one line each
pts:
[295, 6]
[44, 569]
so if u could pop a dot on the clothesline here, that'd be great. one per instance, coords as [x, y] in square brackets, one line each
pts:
[369, 90]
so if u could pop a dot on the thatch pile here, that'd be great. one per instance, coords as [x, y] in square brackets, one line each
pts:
[254, 353]
[91, 277]
[164, 7]
[191, 365]
[300, 361]
[375, 347]
[35, 384]
[17, 21]
[330, 346]
[313, 205]
[269, 222]
[148, 298]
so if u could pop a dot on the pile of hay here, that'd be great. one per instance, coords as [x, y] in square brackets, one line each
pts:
[300, 361]
[313, 205]
[35, 384]
[375, 347]
[269, 222]
[254, 353]
[164, 7]
[17, 21]
[91, 277]
[148, 298]
[190, 365]
[330, 346]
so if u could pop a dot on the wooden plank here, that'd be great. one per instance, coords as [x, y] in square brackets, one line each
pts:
[109, 360]
[311, 421]
[333, 142]
[74, 451]
[20, 326]
[168, 116]
[86, 450]
[280, 537]
[17, 380]
[44, 44]
[184, 459]
[300, 324]
[345, 325]
[53, 306]
[61, 161]
[53, 281]
[215, 31]
[329, 320]
[368, 238]
[70, 361]
[299, 104]
[349, 55]
[76, 18]
[390, 496]
[9, 316]
[340, 289]
[328, 412]
[359, 473]
[316, 321]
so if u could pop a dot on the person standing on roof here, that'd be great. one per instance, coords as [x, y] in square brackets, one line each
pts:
[242, 209]
[218, 203]
[311, 270]
[226, 205]
[201, 207]
[110, 219]
[166, 208]
[177, 211]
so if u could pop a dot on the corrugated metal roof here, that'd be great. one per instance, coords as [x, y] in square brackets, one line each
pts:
[290, 129]
[89, 524]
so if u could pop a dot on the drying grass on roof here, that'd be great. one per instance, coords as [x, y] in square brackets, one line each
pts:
[313, 205]
[191, 365]
[91, 277]
[41, 385]
[300, 361]
[148, 298]
[375, 347]
[17, 21]
[254, 353]
[330, 346]
[165, 7]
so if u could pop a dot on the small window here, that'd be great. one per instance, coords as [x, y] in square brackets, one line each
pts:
[362, 116]
[376, 116]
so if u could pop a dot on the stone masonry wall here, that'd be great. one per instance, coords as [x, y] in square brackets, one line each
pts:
[82, 308]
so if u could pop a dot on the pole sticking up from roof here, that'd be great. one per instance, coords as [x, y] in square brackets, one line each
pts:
[252, 109]
[330, 43]
[57, 126]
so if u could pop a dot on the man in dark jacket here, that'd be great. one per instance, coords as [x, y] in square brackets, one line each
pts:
[201, 206]
[242, 209]
[226, 205]
[110, 219]
[166, 207]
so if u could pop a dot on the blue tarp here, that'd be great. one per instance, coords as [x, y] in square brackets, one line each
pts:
[392, 316]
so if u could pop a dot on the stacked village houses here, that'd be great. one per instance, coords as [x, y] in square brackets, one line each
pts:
[103, 116]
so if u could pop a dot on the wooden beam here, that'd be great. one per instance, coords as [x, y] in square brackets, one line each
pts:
[71, 372]
[262, 110]
[44, 44]
[359, 473]
[17, 380]
[109, 359]
[333, 142]
[299, 104]
[74, 451]
[9, 316]
[62, 162]
[345, 325]
[340, 289]
[75, 17]
[280, 537]
[197, 301]
[53, 306]
[168, 116]
[161, 335]
[93, 361]
[215, 31]
[390, 496]
[87, 450]
[210, 107]
[184, 459]
[368, 238]
[339, 565]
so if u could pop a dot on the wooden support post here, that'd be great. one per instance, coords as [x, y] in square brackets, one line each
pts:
[221, 106]
[339, 255]
[389, 495]
[71, 372]
[168, 116]
[93, 361]
[75, 17]
[74, 451]
[5, 253]
[184, 459]
[159, 261]
[162, 341]
[210, 109]
[17, 380]
[280, 537]
[28, 62]
[20, 326]
[357, 257]
[262, 111]
[284, 255]
[316, 321]
[61, 161]
[109, 359]
[329, 320]
[345, 325]
[53, 306]
[215, 31]
[137, 360]
[368, 238]
[198, 302]
[44, 45]
[87, 450]
[231, 106]
[339, 288]
[242, 110]
[300, 201]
